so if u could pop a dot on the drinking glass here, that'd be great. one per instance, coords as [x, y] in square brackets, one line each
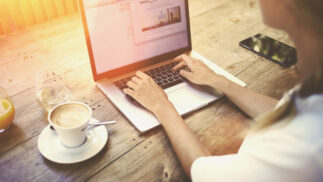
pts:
[51, 90]
[7, 111]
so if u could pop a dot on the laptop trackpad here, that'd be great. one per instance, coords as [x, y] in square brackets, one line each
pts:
[187, 98]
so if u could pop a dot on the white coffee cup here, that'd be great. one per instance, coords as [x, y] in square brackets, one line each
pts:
[70, 121]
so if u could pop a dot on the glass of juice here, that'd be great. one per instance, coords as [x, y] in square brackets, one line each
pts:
[7, 111]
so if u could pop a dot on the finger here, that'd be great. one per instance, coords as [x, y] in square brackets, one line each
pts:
[179, 58]
[131, 84]
[188, 60]
[129, 91]
[179, 65]
[142, 75]
[186, 74]
[136, 80]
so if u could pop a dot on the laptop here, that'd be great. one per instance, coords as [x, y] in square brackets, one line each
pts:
[124, 36]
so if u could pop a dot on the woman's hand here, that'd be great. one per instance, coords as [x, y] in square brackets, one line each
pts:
[144, 89]
[199, 73]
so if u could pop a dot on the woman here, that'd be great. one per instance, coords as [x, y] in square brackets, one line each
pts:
[286, 143]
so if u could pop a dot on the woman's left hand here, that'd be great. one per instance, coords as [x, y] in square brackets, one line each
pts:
[144, 89]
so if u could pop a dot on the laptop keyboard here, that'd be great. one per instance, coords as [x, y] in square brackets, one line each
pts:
[164, 76]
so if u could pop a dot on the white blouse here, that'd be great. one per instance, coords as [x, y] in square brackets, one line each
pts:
[287, 151]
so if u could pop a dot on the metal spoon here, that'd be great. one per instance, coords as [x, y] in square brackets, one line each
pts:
[93, 124]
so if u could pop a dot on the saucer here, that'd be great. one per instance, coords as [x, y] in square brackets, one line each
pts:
[51, 148]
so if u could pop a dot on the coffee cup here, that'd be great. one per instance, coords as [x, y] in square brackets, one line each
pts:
[70, 121]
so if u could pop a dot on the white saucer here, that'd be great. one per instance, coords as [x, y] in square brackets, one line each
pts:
[51, 148]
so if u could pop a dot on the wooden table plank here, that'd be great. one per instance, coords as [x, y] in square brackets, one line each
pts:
[16, 14]
[28, 12]
[38, 10]
[143, 163]
[199, 7]
[5, 18]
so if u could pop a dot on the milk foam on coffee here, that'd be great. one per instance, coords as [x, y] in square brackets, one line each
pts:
[70, 115]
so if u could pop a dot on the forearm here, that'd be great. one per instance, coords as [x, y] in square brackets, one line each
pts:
[251, 102]
[185, 143]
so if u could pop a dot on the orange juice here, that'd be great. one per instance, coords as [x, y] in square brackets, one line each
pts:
[7, 113]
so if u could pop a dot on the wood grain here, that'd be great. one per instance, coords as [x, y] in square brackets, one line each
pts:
[5, 17]
[16, 14]
[143, 163]
[50, 9]
[28, 12]
[60, 7]
[69, 6]
[1, 29]
[38, 9]
[75, 3]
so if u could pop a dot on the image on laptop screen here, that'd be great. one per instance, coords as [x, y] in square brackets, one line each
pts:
[124, 32]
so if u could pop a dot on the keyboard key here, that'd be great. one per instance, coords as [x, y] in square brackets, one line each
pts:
[148, 73]
[157, 70]
[152, 72]
[173, 64]
[169, 66]
[164, 67]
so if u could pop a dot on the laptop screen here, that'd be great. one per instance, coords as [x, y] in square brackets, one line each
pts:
[124, 35]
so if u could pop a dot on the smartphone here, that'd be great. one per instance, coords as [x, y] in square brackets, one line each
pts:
[271, 49]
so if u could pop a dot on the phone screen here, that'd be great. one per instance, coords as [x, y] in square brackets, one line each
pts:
[271, 49]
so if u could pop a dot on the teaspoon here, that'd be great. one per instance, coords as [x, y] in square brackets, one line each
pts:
[93, 124]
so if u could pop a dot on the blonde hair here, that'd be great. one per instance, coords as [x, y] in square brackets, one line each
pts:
[310, 13]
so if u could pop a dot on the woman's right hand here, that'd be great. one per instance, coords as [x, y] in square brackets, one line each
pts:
[199, 73]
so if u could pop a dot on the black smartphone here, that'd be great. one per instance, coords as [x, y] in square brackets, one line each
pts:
[271, 49]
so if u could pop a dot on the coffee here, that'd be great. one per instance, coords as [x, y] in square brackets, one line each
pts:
[70, 115]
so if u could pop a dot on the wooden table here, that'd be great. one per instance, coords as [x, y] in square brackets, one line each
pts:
[217, 27]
